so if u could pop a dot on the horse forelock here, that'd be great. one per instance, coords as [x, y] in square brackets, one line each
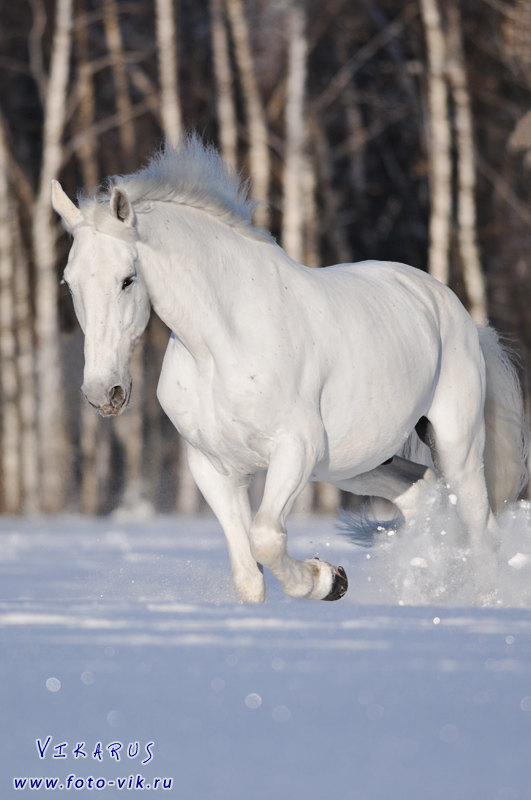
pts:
[191, 174]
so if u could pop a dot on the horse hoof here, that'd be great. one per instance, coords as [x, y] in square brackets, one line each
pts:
[339, 585]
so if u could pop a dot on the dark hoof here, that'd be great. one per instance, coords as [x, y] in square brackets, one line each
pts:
[339, 586]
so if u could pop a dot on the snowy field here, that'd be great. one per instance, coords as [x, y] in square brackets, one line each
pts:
[118, 632]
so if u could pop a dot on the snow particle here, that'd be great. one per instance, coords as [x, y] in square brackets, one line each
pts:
[509, 640]
[525, 703]
[53, 684]
[519, 561]
[253, 700]
[278, 664]
[87, 677]
[452, 498]
[436, 620]
[115, 719]
[281, 714]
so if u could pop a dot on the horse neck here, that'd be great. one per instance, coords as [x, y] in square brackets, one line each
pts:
[194, 266]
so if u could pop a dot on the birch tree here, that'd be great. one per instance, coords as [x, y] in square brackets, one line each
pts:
[439, 143]
[225, 108]
[10, 427]
[27, 379]
[295, 138]
[466, 170]
[259, 160]
[170, 107]
[113, 36]
[86, 99]
[53, 450]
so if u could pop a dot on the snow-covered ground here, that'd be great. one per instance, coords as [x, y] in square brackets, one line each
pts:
[119, 631]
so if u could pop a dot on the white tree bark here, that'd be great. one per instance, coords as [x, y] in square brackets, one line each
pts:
[10, 423]
[168, 70]
[27, 382]
[53, 466]
[86, 114]
[466, 171]
[226, 112]
[439, 143]
[295, 138]
[259, 160]
[123, 101]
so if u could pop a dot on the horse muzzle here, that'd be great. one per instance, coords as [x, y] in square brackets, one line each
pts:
[109, 402]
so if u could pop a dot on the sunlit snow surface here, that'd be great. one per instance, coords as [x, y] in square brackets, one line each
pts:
[128, 631]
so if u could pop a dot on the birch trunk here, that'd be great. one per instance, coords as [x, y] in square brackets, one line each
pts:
[86, 114]
[295, 138]
[439, 143]
[168, 70]
[10, 431]
[53, 466]
[466, 171]
[29, 446]
[259, 161]
[226, 112]
[121, 84]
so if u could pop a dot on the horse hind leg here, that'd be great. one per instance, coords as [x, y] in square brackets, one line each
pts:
[400, 481]
[457, 431]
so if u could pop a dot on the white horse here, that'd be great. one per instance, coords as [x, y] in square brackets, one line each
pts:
[311, 374]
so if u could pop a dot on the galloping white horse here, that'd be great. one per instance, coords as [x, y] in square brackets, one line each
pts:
[311, 374]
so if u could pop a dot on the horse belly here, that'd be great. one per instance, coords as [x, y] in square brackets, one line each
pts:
[370, 410]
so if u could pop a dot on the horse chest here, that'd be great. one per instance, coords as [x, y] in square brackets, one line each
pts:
[222, 421]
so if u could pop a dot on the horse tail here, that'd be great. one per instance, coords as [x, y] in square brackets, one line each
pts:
[507, 441]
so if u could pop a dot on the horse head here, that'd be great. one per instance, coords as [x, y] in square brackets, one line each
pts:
[109, 294]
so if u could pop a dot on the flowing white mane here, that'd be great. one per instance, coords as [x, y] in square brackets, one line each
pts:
[191, 174]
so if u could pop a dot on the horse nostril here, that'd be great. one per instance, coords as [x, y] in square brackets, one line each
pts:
[117, 397]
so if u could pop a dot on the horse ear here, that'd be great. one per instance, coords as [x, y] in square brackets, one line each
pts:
[121, 207]
[69, 213]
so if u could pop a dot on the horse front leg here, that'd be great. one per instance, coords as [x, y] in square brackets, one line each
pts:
[289, 470]
[228, 498]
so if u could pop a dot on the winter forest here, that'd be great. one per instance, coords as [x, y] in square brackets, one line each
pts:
[369, 128]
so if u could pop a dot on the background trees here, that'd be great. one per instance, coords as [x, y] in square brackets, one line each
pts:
[371, 129]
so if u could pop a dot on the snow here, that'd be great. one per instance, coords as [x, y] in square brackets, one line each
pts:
[116, 631]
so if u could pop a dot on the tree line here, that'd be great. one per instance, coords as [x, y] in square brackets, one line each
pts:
[369, 129]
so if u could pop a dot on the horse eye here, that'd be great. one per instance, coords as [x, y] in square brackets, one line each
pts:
[127, 282]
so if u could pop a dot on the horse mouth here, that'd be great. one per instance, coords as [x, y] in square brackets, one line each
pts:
[110, 411]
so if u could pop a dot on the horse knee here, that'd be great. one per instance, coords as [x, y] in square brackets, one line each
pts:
[267, 545]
